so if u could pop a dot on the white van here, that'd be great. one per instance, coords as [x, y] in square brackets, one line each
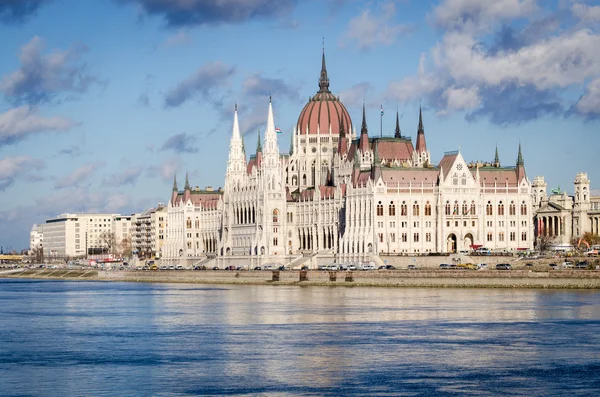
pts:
[368, 266]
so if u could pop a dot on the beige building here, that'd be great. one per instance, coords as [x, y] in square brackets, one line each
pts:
[563, 217]
[148, 232]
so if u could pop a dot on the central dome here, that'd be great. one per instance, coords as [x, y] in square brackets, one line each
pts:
[323, 111]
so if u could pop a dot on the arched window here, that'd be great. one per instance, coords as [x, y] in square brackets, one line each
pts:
[465, 208]
[488, 209]
[500, 208]
[455, 212]
[275, 215]
[512, 209]
[304, 179]
[447, 210]
[523, 208]
[379, 209]
[427, 209]
[188, 223]
[392, 209]
[403, 209]
[416, 209]
[472, 208]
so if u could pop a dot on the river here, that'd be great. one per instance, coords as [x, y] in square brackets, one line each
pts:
[62, 338]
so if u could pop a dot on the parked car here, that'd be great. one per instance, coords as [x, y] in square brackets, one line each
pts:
[179, 267]
[257, 268]
[382, 267]
[581, 265]
[304, 267]
[351, 267]
[390, 267]
[216, 268]
[482, 266]
[282, 268]
[444, 266]
[230, 268]
[368, 266]
[552, 265]
[411, 267]
[503, 266]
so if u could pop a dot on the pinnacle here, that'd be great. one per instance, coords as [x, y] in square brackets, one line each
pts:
[398, 133]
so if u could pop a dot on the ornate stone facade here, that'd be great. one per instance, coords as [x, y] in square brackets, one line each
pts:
[348, 197]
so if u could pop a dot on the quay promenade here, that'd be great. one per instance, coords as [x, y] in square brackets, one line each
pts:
[561, 279]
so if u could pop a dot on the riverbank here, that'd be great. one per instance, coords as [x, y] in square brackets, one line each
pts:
[559, 279]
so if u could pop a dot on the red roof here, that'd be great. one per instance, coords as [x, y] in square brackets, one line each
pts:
[322, 110]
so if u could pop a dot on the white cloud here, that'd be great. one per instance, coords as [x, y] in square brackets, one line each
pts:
[180, 38]
[13, 167]
[462, 98]
[166, 169]
[555, 62]
[370, 29]
[589, 103]
[586, 13]
[79, 176]
[477, 15]
[355, 95]
[17, 123]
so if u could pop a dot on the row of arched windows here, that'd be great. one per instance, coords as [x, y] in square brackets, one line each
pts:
[403, 209]
[512, 209]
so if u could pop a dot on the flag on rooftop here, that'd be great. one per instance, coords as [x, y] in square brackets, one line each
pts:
[278, 130]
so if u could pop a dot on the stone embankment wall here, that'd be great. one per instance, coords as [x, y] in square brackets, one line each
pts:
[584, 279]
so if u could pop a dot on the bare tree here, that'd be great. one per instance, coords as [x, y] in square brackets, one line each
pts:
[108, 241]
[38, 254]
[126, 247]
[543, 243]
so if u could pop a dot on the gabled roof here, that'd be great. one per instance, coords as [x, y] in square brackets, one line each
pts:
[398, 175]
[551, 207]
[447, 162]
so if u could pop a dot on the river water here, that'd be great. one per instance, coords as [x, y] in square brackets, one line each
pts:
[134, 339]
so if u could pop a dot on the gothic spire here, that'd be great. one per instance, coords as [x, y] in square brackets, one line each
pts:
[187, 182]
[421, 145]
[323, 79]
[520, 157]
[258, 145]
[496, 158]
[363, 129]
[397, 133]
[291, 151]
[175, 183]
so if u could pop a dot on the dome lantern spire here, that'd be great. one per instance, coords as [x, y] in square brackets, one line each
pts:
[323, 80]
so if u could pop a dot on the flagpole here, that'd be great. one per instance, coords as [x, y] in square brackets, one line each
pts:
[381, 122]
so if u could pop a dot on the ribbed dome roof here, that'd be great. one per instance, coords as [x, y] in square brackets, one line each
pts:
[323, 110]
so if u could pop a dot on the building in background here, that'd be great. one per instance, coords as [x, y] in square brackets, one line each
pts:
[562, 219]
[36, 238]
[148, 231]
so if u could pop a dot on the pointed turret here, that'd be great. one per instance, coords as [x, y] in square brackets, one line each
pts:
[421, 145]
[520, 165]
[376, 169]
[236, 164]
[291, 151]
[496, 158]
[258, 144]
[397, 133]
[364, 134]
[520, 157]
[187, 190]
[175, 191]
[323, 79]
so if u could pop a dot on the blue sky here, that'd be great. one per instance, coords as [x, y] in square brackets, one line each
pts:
[102, 101]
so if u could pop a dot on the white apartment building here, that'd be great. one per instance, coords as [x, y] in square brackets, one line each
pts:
[36, 237]
[148, 231]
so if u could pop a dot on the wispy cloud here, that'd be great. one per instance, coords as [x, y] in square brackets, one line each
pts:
[81, 176]
[180, 143]
[44, 77]
[128, 176]
[18, 123]
[15, 167]
[202, 83]
[370, 28]
[166, 169]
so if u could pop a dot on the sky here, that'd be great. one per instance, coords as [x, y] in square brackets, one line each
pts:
[102, 102]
